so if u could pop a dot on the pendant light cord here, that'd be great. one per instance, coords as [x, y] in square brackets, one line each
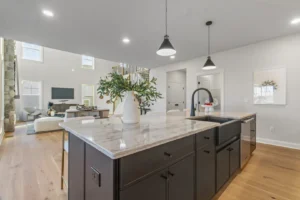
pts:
[209, 40]
[166, 17]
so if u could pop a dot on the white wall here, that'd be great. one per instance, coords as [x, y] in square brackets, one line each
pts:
[56, 71]
[239, 65]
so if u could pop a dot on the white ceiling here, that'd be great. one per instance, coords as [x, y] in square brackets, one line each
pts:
[96, 27]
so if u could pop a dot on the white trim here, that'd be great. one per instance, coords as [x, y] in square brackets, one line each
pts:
[278, 143]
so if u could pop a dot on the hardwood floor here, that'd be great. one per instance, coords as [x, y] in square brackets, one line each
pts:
[30, 166]
[30, 170]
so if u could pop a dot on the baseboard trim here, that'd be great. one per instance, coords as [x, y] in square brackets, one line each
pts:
[278, 143]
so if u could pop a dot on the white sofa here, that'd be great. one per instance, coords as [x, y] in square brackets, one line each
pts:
[47, 124]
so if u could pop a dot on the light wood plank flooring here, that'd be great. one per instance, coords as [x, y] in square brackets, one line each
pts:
[30, 170]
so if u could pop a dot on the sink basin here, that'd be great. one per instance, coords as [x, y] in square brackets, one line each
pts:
[220, 120]
[227, 129]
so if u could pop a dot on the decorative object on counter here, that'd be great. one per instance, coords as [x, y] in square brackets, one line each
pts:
[137, 93]
[209, 63]
[269, 86]
[166, 48]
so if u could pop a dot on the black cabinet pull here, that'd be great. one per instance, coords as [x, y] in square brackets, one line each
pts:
[205, 151]
[170, 173]
[230, 149]
[164, 177]
[168, 154]
[207, 138]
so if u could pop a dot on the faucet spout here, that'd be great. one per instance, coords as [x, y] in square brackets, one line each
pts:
[211, 100]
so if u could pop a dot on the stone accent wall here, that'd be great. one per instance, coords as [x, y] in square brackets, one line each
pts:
[9, 85]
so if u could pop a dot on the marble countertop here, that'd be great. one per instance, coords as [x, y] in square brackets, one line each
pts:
[116, 140]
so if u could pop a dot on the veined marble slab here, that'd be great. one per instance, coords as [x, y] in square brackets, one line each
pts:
[116, 140]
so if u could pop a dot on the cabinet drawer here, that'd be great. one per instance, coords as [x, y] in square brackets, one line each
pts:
[206, 137]
[136, 166]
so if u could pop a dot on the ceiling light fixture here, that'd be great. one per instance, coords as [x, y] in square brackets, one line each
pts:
[126, 40]
[48, 13]
[295, 21]
[172, 57]
[166, 48]
[209, 63]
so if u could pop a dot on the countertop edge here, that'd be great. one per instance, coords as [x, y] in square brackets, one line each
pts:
[137, 149]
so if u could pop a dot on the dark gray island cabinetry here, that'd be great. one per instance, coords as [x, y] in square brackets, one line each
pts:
[162, 158]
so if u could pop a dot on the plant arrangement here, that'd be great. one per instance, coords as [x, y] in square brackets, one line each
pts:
[270, 83]
[115, 85]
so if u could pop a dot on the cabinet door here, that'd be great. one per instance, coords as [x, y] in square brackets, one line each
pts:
[205, 167]
[222, 167]
[152, 188]
[76, 172]
[99, 175]
[234, 156]
[182, 179]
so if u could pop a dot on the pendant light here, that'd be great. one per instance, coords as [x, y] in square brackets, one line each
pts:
[209, 65]
[166, 48]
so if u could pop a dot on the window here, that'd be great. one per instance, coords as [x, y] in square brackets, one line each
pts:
[87, 62]
[31, 94]
[88, 94]
[32, 52]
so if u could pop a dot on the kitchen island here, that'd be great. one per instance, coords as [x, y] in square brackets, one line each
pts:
[164, 157]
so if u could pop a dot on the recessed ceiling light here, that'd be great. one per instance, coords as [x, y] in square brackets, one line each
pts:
[73, 70]
[126, 40]
[48, 13]
[295, 21]
[172, 57]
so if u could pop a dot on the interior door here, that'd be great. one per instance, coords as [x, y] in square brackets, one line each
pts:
[176, 95]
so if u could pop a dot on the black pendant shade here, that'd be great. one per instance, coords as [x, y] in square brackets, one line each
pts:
[166, 48]
[209, 64]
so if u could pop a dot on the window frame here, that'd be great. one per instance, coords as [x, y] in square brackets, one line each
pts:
[41, 49]
[90, 67]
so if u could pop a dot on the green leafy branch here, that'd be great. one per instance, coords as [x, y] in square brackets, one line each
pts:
[115, 85]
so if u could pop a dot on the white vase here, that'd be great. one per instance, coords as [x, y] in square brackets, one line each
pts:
[131, 114]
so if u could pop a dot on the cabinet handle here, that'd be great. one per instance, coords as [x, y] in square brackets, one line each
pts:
[168, 154]
[207, 138]
[164, 177]
[205, 151]
[170, 173]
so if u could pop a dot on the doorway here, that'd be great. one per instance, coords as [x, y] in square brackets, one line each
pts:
[214, 83]
[176, 90]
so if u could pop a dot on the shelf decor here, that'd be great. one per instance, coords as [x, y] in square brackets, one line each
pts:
[269, 86]
[133, 93]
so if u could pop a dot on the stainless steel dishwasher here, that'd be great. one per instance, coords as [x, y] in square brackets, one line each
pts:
[246, 141]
